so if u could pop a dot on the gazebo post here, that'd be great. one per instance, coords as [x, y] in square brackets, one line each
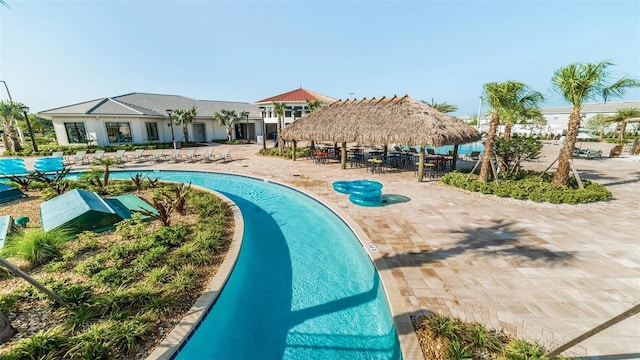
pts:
[421, 163]
[455, 157]
[293, 154]
[343, 155]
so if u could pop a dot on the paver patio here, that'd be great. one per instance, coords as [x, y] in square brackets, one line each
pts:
[543, 272]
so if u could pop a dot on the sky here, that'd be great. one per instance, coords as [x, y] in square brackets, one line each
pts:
[58, 53]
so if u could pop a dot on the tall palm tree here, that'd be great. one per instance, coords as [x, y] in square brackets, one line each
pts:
[442, 107]
[184, 117]
[578, 83]
[227, 118]
[278, 109]
[524, 106]
[502, 98]
[10, 112]
[621, 116]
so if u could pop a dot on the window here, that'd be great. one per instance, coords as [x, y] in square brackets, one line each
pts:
[118, 132]
[152, 131]
[76, 133]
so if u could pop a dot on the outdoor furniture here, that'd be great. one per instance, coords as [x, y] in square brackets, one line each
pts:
[474, 156]
[207, 156]
[224, 156]
[187, 155]
[118, 155]
[57, 154]
[98, 155]
[137, 156]
[80, 157]
[590, 154]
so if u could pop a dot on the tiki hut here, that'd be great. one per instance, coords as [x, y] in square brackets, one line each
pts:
[401, 120]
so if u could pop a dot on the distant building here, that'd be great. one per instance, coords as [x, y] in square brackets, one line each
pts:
[295, 102]
[139, 118]
[558, 117]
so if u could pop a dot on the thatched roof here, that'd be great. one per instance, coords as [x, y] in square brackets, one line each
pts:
[400, 120]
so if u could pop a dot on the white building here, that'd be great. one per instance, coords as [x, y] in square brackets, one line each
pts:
[138, 118]
[295, 102]
[558, 117]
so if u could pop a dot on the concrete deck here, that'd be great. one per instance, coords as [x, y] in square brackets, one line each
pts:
[543, 272]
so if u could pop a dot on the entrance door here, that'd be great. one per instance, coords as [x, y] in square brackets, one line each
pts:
[198, 133]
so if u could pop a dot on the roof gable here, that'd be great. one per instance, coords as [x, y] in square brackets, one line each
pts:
[298, 95]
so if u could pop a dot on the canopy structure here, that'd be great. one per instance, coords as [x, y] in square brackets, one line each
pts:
[400, 120]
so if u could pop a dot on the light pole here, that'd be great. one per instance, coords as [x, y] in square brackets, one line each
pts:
[248, 139]
[350, 95]
[6, 87]
[25, 110]
[173, 139]
[479, 111]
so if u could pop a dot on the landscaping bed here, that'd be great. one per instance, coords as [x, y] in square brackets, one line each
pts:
[125, 288]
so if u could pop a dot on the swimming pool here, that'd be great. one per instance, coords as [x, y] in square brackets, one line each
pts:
[303, 286]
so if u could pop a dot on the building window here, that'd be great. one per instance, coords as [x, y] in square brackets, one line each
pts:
[118, 132]
[152, 131]
[76, 132]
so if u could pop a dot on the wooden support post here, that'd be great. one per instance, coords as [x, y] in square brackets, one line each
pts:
[421, 164]
[293, 153]
[605, 325]
[343, 156]
[575, 174]
[31, 281]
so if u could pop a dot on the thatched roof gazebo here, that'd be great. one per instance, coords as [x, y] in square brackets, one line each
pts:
[401, 120]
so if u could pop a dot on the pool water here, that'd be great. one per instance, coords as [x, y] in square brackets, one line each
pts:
[463, 149]
[303, 286]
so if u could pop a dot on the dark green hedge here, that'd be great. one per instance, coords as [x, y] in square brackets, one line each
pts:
[532, 186]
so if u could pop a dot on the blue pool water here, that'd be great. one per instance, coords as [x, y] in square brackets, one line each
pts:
[463, 149]
[303, 286]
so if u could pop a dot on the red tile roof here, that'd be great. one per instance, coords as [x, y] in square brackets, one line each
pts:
[300, 95]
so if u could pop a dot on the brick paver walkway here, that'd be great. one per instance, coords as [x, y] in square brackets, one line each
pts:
[543, 272]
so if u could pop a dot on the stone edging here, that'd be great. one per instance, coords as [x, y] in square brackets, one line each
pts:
[173, 342]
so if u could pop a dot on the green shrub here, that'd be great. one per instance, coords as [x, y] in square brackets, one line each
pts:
[522, 350]
[76, 294]
[8, 303]
[444, 326]
[115, 277]
[36, 246]
[82, 317]
[44, 345]
[532, 186]
[92, 265]
[457, 351]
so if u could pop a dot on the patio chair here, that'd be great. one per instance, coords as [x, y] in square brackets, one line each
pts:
[430, 151]
[187, 155]
[57, 154]
[207, 156]
[591, 154]
[137, 156]
[80, 157]
[118, 155]
[474, 156]
[224, 156]
[174, 155]
[98, 155]
[158, 155]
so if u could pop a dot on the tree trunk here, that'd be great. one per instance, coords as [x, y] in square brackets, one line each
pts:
[343, 156]
[6, 330]
[488, 149]
[623, 128]
[293, 152]
[562, 173]
[507, 131]
[5, 141]
[185, 132]
[280, 141]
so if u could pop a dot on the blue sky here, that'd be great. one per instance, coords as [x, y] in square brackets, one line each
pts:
[56, 53]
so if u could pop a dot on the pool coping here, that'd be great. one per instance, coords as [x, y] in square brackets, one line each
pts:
[177, 337]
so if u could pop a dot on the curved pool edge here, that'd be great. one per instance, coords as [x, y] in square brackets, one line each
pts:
[407, 337]
[180, 333]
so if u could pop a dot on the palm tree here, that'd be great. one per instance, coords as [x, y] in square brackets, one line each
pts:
[227, 118]
[524, 106]
[278, 109]
[184, 118]
[621, 116]
[502, 98]
[10, 112]
[313, 105]
[578, 83]
[442, 107]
